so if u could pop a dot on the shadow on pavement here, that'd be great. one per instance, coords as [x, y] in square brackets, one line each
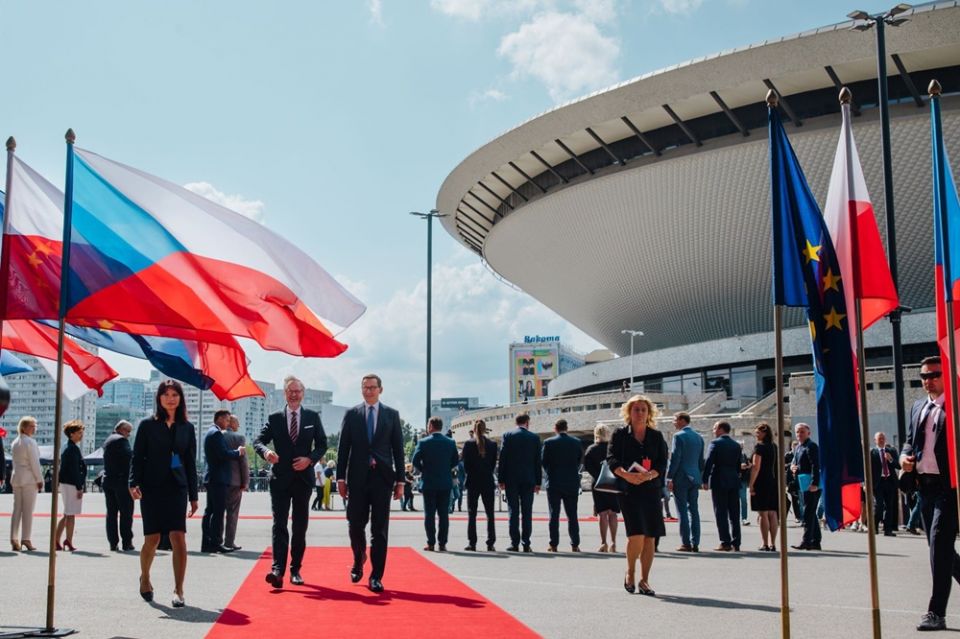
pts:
[704, 602]
[191, 614]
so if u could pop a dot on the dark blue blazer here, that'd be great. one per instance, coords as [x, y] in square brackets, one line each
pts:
[520, 464]
[562, 456]
[218, 456]
[153, 450]
[116, 461]
[311, 442]
[435, 456]
[479, 470]
[73, 470]
[918, 433]
[355, 450]
[722, 468]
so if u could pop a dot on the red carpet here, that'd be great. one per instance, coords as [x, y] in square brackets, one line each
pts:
[420, 599]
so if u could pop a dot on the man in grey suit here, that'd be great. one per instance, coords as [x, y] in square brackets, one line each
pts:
[721, 472]
[562, 456]
[519, 475]
[239, 479]
[684, 476]
[436, 457]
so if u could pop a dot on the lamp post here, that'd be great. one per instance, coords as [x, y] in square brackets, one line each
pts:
[880, 21]
[429, 218]
[632, 334]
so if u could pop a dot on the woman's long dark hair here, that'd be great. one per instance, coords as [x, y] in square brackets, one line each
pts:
[766, 436]
[179, 415]
[479, 435]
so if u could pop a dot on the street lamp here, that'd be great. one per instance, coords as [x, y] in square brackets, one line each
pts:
[865, 21]
[429, 217]
[632, 334]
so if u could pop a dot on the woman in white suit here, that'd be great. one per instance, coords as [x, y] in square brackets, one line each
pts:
[27, 481]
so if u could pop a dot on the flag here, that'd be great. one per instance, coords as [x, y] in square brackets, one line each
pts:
[946, 208]
[30, 278]
[10, 364]
[151, 255]
[806, 272]
[856, 238]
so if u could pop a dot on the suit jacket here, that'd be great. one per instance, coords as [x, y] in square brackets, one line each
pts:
[479, 470]
[520, 462]
[73, 470]
[876, 465]
[562, 456]
[353, 456]
[311, 442]
[154, 447]
[116, 461]
[721, 470]
[239, 468]
[219, 457]
[435, 456]
[25, 455]
[918, 434]
[686, 458]
[807, 459]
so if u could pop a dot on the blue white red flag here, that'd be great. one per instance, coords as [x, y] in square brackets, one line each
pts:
[806, 272]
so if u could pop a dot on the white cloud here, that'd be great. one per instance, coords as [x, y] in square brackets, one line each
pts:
[565, 51]
[238, 203]
[475, 318]
[685, 7]
[599, 11]
[376, 11]
[490, 95]
[475, 10]
[465, 9]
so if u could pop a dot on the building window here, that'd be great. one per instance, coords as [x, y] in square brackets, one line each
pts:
[672, 385]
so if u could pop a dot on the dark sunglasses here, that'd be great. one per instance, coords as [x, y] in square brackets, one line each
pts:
[931, 375]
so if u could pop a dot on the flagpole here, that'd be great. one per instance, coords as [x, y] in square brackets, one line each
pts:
[845, 97]
[49, 630]
[781, 478]
[4, 258]
[934, 91]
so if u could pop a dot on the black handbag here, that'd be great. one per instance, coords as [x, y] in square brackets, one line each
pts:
[607, 482]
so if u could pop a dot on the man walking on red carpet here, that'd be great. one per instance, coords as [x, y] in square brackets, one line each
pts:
[369, 471]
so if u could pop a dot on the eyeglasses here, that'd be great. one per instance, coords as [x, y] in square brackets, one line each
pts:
[931, 375]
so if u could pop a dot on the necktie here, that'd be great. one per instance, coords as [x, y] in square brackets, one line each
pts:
[883, 459]
[370, 423]
[294, 428]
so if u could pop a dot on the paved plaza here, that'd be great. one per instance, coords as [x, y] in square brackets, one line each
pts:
[557, 595]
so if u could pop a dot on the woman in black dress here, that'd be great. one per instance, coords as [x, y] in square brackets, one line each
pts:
[638, 454]
[163, 474]
[764, 495]
[605, 505]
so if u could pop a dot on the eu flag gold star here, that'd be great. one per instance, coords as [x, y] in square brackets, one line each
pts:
[811, 252]
[833, 319]
[830, 281]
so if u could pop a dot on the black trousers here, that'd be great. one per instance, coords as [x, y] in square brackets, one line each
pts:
[726, 508]
[811, 525]
[474, 495]
[569, 500]
[370, 503]
[520, 507]
[435, 506]
[885, 506]
[938, 509]
[119, 511]
[284, 496]
[212, 525]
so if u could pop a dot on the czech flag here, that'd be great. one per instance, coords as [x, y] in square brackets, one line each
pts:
[156, 259]
[30, 274]
[807, 273]
[946, 215]
[10, 364]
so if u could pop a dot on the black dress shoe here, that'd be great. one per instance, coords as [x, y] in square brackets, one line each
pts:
[128, 547]
[374, 585]
[114, 548]
[801, 547]
[471, 548]
[275, 579]
[234, 547]
[223, 550]
[513, 548]
[491, 548]
[889, 533]
[527, 548]
[813, 547]
[932, 621]
[356, 573]
[295, 578]
[442, 548]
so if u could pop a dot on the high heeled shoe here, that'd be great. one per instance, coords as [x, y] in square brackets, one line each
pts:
[68, 545]
[645, 589]
[58, 546]
[146, 595]
[628, 585]
[15, 545]
[177, 601]
[26, 545]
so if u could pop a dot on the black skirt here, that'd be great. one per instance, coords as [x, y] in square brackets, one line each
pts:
[604, 501]
[163, 509]
[642, 513]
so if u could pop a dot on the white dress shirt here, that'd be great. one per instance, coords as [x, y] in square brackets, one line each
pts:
[928, 460]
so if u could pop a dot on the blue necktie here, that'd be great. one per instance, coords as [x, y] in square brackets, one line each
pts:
[370, 428]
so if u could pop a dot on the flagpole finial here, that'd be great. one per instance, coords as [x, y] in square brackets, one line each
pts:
[71, 137]
[772, 99]
[11, 144]
[845, 96]
[934, 88]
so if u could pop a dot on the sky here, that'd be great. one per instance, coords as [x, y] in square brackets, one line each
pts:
[329, 122]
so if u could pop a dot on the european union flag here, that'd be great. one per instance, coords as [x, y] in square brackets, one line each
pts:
[806, 273]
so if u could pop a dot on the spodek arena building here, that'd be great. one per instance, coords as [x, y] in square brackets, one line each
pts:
[646, 207]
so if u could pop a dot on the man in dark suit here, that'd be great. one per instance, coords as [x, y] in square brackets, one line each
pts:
[239, 480]
[925, 452]
[217, 480]
[116, 476]
[519, 475]
[369, 472]
[435, 458]
[721, 473]
[298, 443]
[806, 468]
[562, 456]
[884, 466]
